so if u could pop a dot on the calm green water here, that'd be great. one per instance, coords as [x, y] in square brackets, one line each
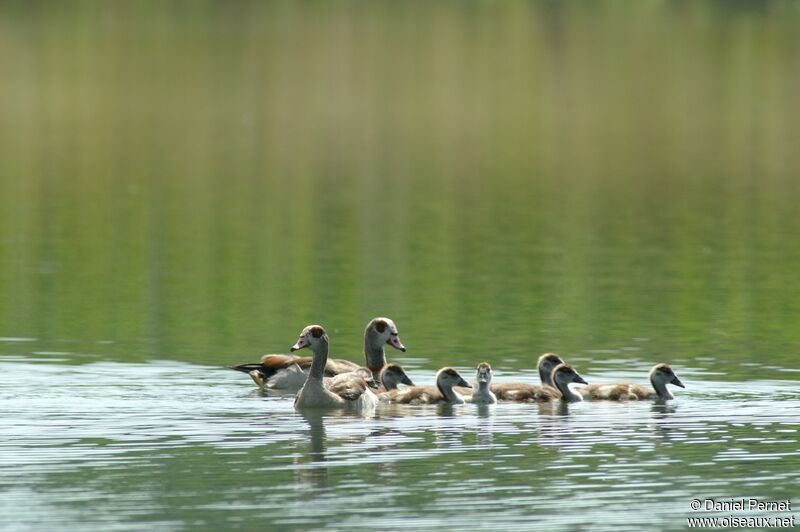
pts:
[185, 186]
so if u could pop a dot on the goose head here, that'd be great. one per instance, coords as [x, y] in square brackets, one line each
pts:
[392, 375]
[484, 377]
[563, 375]
[381, 331]
[545, 364]
[311, 336]
[660, 376]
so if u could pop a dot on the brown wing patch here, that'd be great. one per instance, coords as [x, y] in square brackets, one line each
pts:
[278, 362]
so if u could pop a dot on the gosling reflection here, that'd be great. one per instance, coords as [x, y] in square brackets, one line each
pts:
[485, 428]
[556, 426]
[560, 408]
[484, 411]
[662, 408]
[660, 413]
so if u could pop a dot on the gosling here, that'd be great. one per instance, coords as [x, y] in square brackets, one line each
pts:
[532, 393]
[483, 395]
[443, 392]
[660, 376]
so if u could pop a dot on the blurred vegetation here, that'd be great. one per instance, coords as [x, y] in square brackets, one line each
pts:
[199, 180]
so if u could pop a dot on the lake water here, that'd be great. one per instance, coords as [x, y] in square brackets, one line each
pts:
[184, 187]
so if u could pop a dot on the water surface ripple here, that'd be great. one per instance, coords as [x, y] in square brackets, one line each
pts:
[108, 446]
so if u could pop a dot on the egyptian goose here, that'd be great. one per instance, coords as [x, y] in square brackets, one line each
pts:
[446, 379]
[483, 394]
[532, 393]
[345, 390]
[660, 376]
[288, 372]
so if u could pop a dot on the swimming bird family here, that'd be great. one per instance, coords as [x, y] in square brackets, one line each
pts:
[323, 382]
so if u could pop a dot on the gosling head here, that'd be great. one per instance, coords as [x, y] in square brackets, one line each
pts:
[448, 377]
[368, 377]
[392, 375]
[566, 374]
[484, 374]
[312, 335]
[660, 376]
[384, 331]
[562, 376]
[546, 363]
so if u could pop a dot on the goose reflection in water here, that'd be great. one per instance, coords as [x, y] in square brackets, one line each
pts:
[317, 472]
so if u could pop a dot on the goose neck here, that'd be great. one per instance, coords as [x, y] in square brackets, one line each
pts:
[319, 360]
[373, 352]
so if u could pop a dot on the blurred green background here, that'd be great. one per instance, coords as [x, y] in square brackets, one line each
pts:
[199, 180]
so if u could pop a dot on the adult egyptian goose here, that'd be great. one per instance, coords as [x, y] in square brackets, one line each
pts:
[563, 375]
[340, 391]
[532, 393]
[483, 394]
[288, 372]
[660, 376]
[446, 379]
[392, 376]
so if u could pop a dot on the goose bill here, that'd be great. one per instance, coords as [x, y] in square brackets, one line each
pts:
[301, 343]
[394, 341]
